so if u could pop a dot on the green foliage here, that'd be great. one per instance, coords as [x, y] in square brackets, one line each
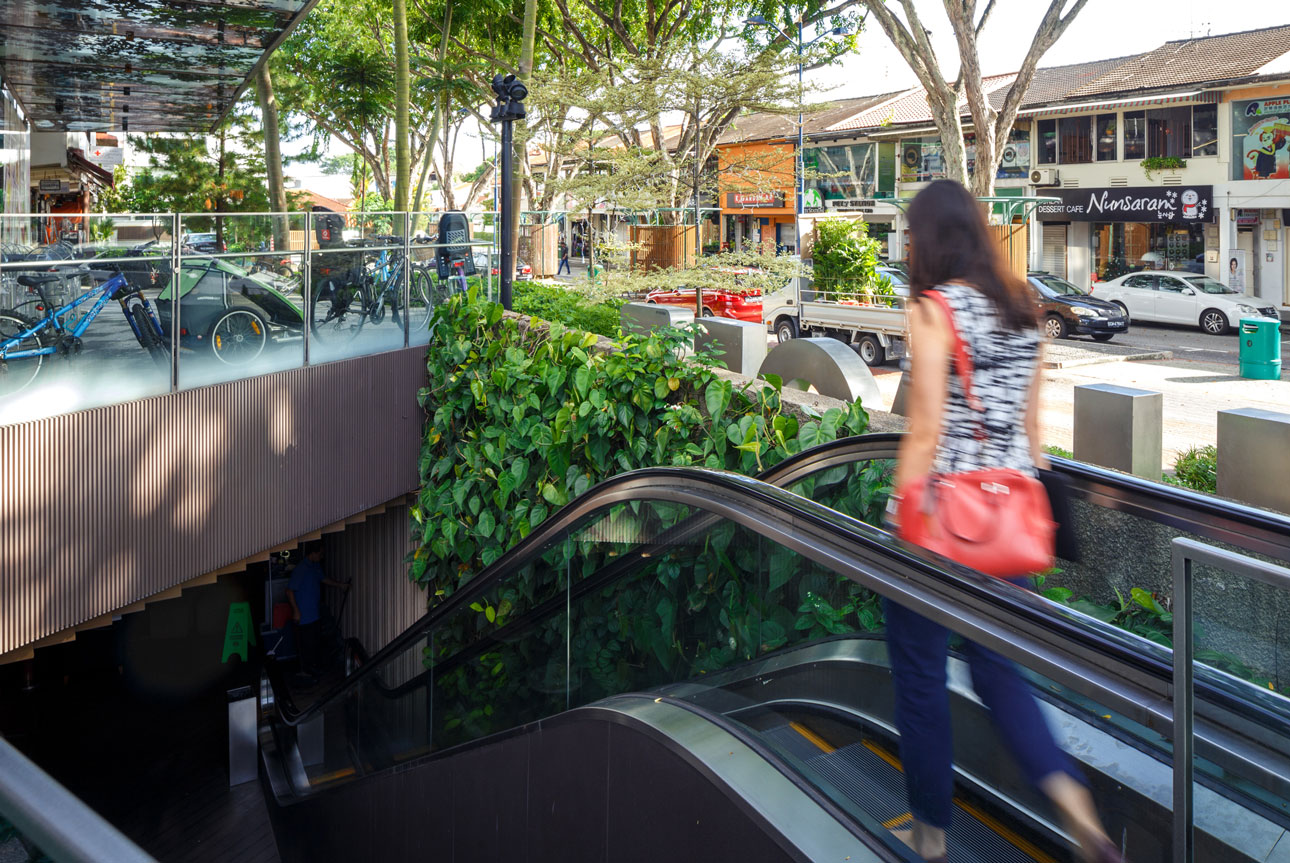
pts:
[846, 260]
[1147, 614]
[567, 306]
[1152, 164]
[523, 419]
[1058, 451]
[1197, 469]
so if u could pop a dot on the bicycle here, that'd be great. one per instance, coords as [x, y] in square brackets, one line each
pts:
[25, 341]
[342, 304]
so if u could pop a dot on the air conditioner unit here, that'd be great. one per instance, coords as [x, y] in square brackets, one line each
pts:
[1045, 177]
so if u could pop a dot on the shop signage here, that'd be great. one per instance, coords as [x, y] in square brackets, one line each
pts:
[860, 205]
[754, 199]
[1185, 205]
[106, 157]
[1245, 217]
[812, 201]
[1261, 139]
[51, 185]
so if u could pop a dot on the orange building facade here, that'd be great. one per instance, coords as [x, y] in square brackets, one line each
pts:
[758, 201]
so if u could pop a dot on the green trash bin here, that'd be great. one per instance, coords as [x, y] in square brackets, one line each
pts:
[1261, 348]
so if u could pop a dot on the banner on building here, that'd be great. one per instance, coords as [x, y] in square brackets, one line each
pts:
[1261, 139]
[1183, 205]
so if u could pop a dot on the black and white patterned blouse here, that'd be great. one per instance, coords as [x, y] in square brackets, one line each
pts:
[1004, 364]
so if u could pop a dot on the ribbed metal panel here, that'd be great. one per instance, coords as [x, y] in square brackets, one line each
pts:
[105, 507]
[382, 602]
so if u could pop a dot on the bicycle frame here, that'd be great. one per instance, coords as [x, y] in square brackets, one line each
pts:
[53, 318]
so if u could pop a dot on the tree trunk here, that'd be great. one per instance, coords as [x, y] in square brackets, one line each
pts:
[950, 125]
[273, 158]
[402, 95]
[436, 118]
[521, 146]
[988, 154]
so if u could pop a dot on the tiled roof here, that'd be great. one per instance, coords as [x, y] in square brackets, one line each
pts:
[1193, 61]
[764, 126]
[911, 107]
[1052, 83]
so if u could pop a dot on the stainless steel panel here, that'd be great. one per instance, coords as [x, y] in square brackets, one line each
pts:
[1253, 463]
[826, 364]
[741, 345]
[1120, 428]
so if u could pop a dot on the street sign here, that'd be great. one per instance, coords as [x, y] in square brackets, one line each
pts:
[51, 185]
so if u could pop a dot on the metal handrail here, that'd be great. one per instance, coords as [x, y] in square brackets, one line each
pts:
[54, 819]
[1186, 552]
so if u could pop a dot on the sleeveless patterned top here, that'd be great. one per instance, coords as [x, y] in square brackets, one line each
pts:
[1004, 364]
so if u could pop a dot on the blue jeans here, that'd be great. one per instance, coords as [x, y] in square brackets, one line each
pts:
[564, 267]
[918, 649]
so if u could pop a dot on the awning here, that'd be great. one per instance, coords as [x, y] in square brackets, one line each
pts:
[1193, 96]
[137, 65]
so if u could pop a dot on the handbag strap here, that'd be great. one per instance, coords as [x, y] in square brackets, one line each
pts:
[962, 360]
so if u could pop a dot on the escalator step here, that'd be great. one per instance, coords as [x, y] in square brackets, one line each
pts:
[790, 740]
[873, 780]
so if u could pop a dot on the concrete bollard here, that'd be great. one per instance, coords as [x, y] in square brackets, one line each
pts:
[642, 318]
[740, 345]
[1120, 428]
[1252, 463]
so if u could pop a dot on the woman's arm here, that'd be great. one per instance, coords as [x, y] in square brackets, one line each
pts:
[931, 341]
[1037, 454]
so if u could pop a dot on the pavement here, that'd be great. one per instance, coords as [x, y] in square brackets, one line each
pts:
[1197, 374]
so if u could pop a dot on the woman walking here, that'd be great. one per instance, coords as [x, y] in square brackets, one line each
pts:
[953, 254]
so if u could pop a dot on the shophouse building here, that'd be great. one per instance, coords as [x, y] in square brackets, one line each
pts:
[1176, 158]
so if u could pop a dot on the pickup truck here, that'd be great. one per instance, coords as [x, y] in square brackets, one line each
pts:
[876, 329]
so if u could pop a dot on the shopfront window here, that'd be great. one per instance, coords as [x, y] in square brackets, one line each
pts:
[1169, 132]
[1075, 140]
[1126, 247]
[847, 171]
[1106, 125]
[921, 159]
[1047, 141]
[886, 169]
[1204, 130]
[1261, 139]
[15, 170]
[1135, 135]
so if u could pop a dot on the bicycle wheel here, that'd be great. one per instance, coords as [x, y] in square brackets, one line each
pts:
[420, 305]
[153, 342]
[17, 374]
[238, 336]
[338, 310]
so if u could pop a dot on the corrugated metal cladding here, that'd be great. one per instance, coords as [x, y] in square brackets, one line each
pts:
[382, 602]
[103, 508]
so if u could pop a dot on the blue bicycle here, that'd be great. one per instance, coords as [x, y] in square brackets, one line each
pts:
[25, 341]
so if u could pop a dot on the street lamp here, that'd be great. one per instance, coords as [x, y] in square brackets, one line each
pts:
[800, 164]
[511, 93]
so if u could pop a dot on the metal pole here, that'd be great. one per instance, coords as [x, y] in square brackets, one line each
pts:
[508, 262]
[1184, 702]
[801, 156]
[176, 286]
[307, 286]
[407, 283]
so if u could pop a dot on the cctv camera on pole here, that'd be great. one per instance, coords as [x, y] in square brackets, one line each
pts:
[509, 108]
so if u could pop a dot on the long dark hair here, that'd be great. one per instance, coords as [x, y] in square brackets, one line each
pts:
[951, 242]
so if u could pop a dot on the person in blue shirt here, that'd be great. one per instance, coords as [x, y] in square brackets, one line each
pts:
[304, 592]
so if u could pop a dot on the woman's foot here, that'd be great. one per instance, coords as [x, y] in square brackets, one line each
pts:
[927, 842]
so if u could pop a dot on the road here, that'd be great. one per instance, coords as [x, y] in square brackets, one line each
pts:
[1188, 344]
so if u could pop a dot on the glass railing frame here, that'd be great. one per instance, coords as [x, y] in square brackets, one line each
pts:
[1006, 619]
[54, 819]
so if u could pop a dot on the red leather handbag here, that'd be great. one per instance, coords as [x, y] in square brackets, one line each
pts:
[996, 520]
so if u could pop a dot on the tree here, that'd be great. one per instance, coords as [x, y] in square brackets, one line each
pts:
[992, 126]
[273, 155]
[402, 131]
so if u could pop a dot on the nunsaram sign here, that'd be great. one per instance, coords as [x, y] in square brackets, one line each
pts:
[1173, 205]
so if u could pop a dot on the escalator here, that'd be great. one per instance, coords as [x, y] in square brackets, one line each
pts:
[689, 663]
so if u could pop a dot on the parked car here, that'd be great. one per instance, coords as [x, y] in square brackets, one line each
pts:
[740, 304]
[1068, 310]
[228, 311]
[204, 242]
[898, 277]
[487, 262]
[1173, 297]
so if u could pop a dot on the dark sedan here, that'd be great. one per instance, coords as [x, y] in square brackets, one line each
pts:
[1067, 310]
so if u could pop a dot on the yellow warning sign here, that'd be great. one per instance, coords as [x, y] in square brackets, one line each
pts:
[239, 632]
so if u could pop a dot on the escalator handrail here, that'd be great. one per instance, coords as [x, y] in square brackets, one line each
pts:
[791, 469]
[1006, 619]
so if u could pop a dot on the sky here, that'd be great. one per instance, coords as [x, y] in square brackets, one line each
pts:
[1104, 29]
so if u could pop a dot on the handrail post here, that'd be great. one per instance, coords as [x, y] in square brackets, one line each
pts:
[176, 287]
[1184, 696]
[307, 286]
[407, 278]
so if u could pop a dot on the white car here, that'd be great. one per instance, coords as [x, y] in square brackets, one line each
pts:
[1172, 297]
